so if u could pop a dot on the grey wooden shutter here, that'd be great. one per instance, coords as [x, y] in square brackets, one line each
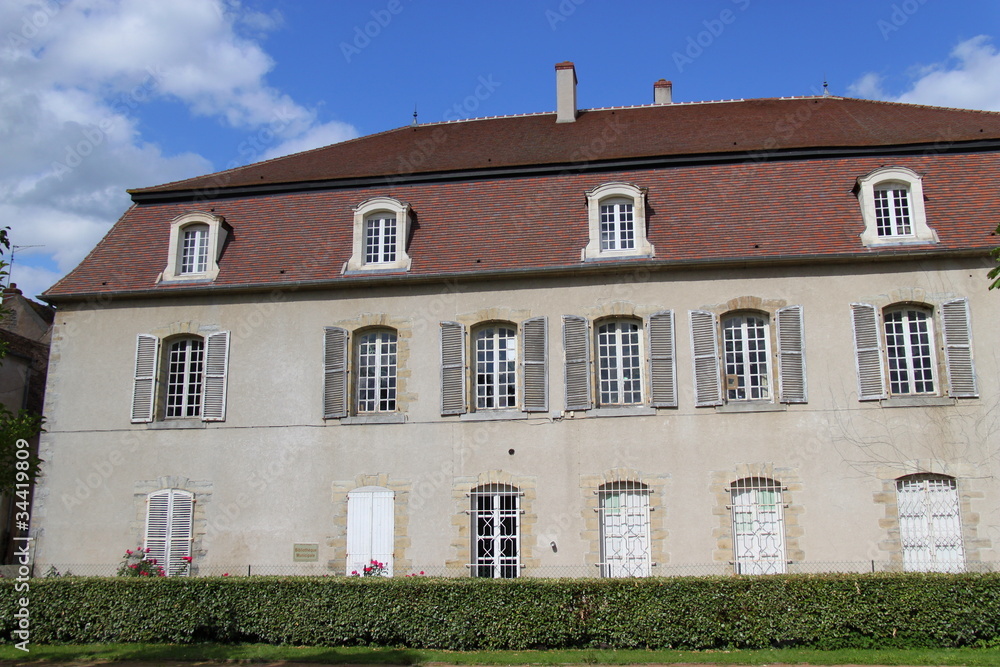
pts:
[662, 362]
[213, 401]
[147, 355]
[534, 341]
[576, 344]
[868, 352]
[705, 352]
[334, 372]
[452, 368]
[958, 349]
[791, 356]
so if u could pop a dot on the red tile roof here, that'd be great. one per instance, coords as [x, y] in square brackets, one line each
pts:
[699, 212]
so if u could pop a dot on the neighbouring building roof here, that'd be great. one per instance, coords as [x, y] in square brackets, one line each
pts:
[748, 181]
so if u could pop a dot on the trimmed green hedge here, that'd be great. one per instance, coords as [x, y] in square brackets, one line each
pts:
[807, 611]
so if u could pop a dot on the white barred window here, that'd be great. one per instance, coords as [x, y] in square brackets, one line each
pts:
[194, 251]
[376, 372]
[496, 531]
[910, 351]
[892, 210]
[496, 367]
[381, 231]
[185, 370]
[619, 357]
[930, 525]
[616, 221]
[758, 526]
[624, 511]
[748, 376]
[380, 239]
[617, 225]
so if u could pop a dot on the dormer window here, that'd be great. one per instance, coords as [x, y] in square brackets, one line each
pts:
[892, 206]
[617, 221]
[196, 241]
[381, 229]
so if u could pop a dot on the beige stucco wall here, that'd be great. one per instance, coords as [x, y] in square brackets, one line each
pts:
[274, 472]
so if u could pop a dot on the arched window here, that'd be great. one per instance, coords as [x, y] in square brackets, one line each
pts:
[747, 358]
[892, 209]
[189, 381]
[196, 243]
[375, 371]
[169, 523]
[496, 367]
[617, 225]
[616, 216]
[909, 346]
[194, 249]
[619, 362]
[930, 524]
[624, 511]
[381, 231]
[380, 238]
[185, 374]
[758, 526]
[496, 531]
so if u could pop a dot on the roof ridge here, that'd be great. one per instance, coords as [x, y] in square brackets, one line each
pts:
[923, 106]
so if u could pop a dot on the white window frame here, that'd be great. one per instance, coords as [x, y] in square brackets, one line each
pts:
[380, 209]
[624, 509]
[614, 357]
[187, 381]
[150, 389]
[370, 528]
[615, 194]
[495, 373]
[754, 386]
[930, 523]
[382, 362]
[215, 240]
[758, 526]
[170, 530]
[906, 358]
[495, 514]
[894, 178]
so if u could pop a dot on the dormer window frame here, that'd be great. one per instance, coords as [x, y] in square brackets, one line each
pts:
[615, 198]
[894, 180]
[216, 240]
[380, 209]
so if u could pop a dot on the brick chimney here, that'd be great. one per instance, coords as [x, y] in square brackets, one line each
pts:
[663, 92]
[565, 92]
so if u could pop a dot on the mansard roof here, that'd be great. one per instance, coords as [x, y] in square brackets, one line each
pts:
[727, 183]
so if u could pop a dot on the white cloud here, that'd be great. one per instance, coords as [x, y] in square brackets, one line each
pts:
[73, 80]
[969, 79]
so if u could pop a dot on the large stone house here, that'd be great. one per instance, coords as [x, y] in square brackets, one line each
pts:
[748, 336]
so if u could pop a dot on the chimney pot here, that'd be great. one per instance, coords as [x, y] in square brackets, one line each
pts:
[663, 92]
[565, 92]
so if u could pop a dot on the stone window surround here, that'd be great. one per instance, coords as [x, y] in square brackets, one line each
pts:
[362, 212]
[921, 233]
[617, 190]
[336, 541]
[217, 235]
[202, 492]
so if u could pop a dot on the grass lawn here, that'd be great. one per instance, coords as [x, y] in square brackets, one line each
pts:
[154, 653]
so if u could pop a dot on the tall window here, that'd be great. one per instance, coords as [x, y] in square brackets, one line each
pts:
[930, 526]
[892, 210]
[194, 249]
[910, 351]
[619, 367]
[496, 528]
[617, 225]
[624, 510]
[758, 526]
[376, 372]
[169, 521]
[370, 528]
[746, 358]
[496, 367]
[185, 374]
[380, 239]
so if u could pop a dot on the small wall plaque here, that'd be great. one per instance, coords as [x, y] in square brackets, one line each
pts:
[305, 553]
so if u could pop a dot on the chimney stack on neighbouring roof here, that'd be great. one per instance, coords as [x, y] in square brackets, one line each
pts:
[663, 92]
[565, 92]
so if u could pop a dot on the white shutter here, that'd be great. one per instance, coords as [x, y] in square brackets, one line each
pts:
[576, 344]
[705, 352]
[662, 364]
[868, 352]
[169, 522]
[370, 528]
[791, 356]
[958, 349]
[534, 341]
[334, 372]
[213, 404]
[147, 355]
[452, 368]
[157, 525]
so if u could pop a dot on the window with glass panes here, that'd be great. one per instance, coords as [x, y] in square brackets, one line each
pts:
[758, 526]
[909, 345]
[930, 525]
[496, 527]
[624, 519]
[185, 374]
[496, 367]
[619, 362]
[617, 225]
[746, 358]
[380, 240]
[375, 372]
[194, 249]
[892, 210]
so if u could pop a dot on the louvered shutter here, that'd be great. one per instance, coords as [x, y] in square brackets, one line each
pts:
[213, 404]
[662, 364]
[157, 525]
[791, 356]
[147, 355]
[868, 352]
[705, 352]
[370, 528]
[576, 344]
[169, 522]
[452, 368]
[534, 341]
[958, 349]
[334, 372]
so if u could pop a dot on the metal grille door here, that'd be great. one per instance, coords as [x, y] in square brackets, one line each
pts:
[930, 525]
[496, 523]
[624, 509]
[758, 526]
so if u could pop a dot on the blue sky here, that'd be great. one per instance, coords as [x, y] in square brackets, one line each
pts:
[97, 96]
